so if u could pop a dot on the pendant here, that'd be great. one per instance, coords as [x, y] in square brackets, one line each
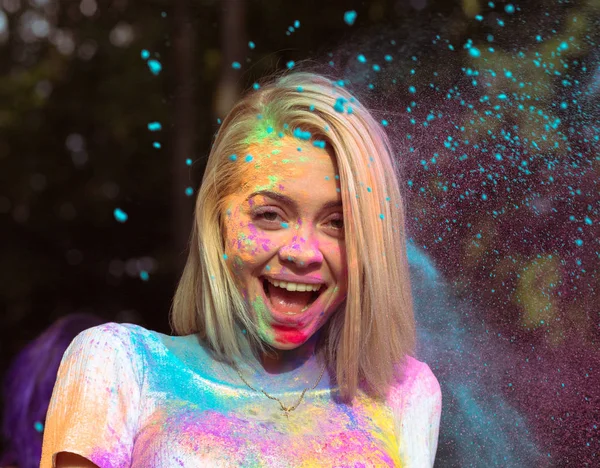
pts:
[286, 410]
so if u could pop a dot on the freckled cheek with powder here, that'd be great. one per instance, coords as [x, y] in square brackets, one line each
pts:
[250, 247]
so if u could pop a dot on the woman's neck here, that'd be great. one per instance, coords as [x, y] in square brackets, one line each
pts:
[276, 361]
[283, 370]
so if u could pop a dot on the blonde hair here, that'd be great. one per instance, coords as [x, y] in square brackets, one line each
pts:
[368, 339]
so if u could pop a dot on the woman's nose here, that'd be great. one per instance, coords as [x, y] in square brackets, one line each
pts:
[303, 252]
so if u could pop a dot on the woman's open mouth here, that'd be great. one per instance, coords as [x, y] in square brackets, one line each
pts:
[289, 303]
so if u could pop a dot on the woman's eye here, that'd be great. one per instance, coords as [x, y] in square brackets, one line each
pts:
[337, 223]
[269, 216]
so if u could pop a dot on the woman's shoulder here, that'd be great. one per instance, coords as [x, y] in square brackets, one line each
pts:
[414, 379]
[143, 345]
[113, 333]
[110, 340]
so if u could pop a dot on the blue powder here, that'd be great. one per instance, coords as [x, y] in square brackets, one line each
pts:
[339, 104]
[302, 135]
[474, 52]
[350, 17]
[154, 66]
[120, 215]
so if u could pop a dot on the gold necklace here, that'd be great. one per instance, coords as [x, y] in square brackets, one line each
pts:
[286, 409]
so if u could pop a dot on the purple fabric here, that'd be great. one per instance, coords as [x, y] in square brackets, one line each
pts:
[28, 387]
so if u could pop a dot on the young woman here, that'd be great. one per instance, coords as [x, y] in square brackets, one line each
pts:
[294, 315]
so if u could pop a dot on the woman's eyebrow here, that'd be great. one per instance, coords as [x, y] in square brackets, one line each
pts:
[291, 202]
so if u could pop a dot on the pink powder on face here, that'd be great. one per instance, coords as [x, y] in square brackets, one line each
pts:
[286, 335]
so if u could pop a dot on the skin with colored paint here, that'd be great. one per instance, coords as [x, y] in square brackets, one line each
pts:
[288, 221]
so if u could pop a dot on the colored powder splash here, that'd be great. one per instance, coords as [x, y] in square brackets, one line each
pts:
[120, 215]
[498, 136]
[302, 135]
[155, 66]
[154, 126]
[350, 17]
[500, 145]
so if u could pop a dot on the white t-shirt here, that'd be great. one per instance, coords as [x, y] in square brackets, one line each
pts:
[129, 397]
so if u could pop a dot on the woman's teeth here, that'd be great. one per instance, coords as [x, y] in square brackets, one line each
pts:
[294, 286]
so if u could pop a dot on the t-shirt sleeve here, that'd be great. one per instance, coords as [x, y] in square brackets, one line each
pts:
[96, 399]
[417, 406]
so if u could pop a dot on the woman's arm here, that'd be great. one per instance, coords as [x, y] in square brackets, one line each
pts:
[72, 460]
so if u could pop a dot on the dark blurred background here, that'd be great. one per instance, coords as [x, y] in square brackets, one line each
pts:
[493, 106]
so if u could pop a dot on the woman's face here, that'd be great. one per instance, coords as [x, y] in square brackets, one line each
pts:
[285, 223]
